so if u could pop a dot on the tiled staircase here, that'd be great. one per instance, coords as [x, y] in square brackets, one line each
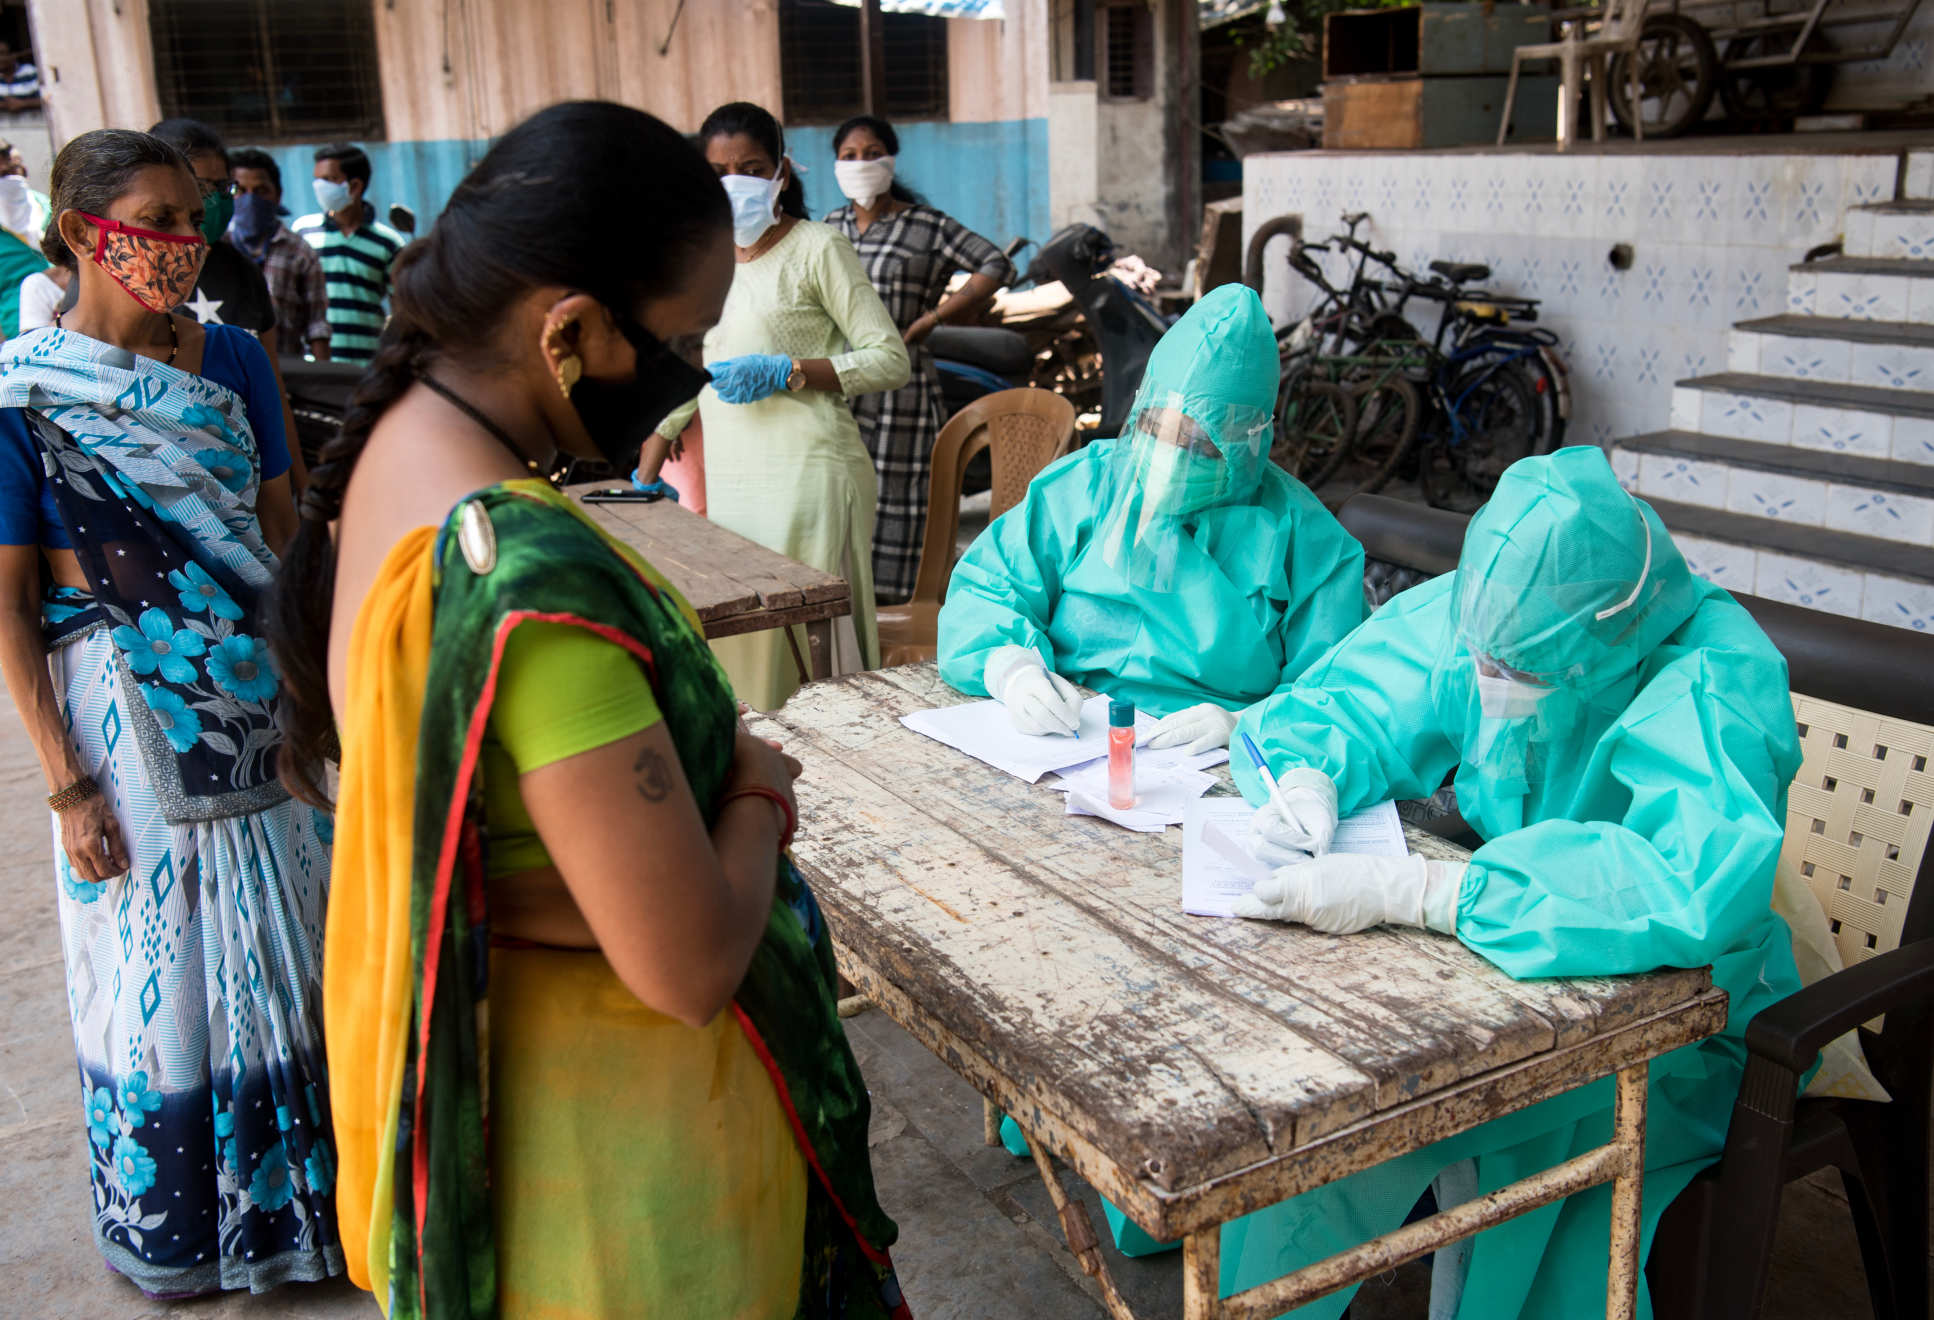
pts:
[1805, 471]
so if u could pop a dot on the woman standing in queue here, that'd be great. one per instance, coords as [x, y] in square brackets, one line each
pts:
[802, 332]
[143, 482]
[910, 251]
[536, 743]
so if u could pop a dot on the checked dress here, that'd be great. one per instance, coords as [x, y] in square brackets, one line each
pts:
[909, 256]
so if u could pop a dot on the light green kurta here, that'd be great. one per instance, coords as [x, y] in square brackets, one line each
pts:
[790, 471]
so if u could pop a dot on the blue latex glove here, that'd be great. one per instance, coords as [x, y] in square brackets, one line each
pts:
[750, 378]
[662, 486]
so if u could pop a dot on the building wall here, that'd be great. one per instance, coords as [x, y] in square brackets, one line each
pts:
[1128, 166]
[456, 74]
[1710, 239]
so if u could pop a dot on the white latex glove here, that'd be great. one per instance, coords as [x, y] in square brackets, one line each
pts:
[1200, 728]
[1344, 893]
[1037, 701]
[1298, 827]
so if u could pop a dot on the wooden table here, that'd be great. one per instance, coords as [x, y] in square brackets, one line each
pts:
[737, 586]
[1191, 1069]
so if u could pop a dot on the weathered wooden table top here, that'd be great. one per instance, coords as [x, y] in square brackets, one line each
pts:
[736, 585]
[1182, 1050]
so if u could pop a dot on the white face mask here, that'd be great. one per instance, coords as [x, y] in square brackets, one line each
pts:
[332, 196]
[17, 207]
[755, 206]
[1501, 698]
[865, 181]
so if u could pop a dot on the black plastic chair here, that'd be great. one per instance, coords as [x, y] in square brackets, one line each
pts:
[1711, 1254]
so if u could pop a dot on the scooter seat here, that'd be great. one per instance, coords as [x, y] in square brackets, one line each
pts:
[1461, 272]
[990, 348]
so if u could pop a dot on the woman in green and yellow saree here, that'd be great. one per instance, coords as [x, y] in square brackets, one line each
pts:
[549, 805]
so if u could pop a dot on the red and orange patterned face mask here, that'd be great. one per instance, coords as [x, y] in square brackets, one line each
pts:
[158, 270]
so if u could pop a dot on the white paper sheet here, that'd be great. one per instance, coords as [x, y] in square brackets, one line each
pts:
[1217, 869]
[983, 730]
[1161, 796]
[1169, 758]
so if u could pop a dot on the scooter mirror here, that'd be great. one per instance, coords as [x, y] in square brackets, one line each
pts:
[402, 219]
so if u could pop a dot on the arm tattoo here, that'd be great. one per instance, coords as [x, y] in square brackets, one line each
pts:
[654, 781]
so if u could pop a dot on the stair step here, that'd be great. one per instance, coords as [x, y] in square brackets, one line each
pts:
[1904, 333]
[1843, 265]
[1822, 393]
[1896, 355]
[1863, 289]
[1833, 422]
[1890, 229]
[1853, 576]
[1687, 468]
[1823, 468]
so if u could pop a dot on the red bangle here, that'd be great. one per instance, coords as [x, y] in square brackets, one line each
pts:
[771, 795]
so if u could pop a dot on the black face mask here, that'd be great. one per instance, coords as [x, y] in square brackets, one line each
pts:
[619, 416]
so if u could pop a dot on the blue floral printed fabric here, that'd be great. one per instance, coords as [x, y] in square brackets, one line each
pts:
[154, 472]
[194, 980]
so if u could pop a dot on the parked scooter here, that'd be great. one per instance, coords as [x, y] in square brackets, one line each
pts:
[1125, 325]
[975, 361]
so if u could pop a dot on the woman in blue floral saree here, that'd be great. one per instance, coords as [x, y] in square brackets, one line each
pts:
[136, 450]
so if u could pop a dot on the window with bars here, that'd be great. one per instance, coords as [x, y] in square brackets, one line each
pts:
[269, 70]
[1127, 41]
[1074, 40]
[820, 68]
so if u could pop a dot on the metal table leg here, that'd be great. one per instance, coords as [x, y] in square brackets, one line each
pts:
[1628, 1219]
[1079, 1231]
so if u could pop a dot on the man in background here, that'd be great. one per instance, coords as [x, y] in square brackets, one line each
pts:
[356, 250]
[289, 265]
[231, 290]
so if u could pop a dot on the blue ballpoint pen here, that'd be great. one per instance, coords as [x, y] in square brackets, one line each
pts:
[1262, 772]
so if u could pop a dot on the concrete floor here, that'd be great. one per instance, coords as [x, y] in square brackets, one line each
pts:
[978, 1237]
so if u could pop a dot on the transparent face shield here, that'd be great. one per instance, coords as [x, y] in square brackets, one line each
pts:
[1176, 458]
[1532, 660]
[1534, 625]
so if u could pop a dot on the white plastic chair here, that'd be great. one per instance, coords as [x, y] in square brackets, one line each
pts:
[1589, 42]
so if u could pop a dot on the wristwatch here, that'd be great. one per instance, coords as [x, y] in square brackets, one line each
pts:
[796, 379]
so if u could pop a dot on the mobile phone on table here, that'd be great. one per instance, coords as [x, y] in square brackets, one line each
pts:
[622, 495]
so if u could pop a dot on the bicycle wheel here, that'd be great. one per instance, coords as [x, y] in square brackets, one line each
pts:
[1495, 421]
[1314, 423]
[1390, 412]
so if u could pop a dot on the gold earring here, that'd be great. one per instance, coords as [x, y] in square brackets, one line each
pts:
[568, 367]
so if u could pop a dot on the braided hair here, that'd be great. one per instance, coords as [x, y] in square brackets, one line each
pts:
[538, 209]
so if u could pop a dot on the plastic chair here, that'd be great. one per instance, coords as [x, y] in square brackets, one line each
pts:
[1023, 431]
[1616, 33]
[1857, 830]
[1858, 821]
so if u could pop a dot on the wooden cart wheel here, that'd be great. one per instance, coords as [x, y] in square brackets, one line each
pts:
[1678, 74]
[1779, 93]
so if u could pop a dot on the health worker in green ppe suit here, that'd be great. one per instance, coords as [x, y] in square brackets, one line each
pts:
[1622, 737]
[1175, 567]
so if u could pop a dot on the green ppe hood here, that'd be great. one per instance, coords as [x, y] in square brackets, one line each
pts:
[1567, 577]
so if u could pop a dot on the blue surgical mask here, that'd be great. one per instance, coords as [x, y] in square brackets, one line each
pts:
[755, 206]
[255, 217]
[332, 196]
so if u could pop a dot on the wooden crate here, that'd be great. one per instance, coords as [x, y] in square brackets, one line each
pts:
[1407, 113]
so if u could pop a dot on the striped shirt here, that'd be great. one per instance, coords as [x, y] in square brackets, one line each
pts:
[356, 269]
